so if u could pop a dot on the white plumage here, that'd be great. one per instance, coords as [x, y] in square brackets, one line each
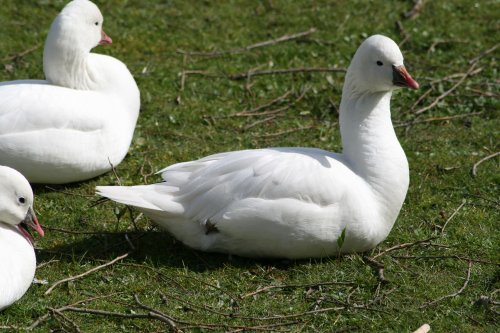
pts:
[17, 257]
[80, 120]
[295, 202]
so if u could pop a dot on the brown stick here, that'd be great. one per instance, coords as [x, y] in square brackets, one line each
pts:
[467, 279]
[246, 75]
[475, 166]
[428, 120]
[21, 54]
[452, 215]
[380, 268]
[418, 5]
[169, 320]
[488, 51]
[449, 91]
[71, 278]
[272, 135]
[263, 106]
[308, 285]
[284, 38]
[402, 246]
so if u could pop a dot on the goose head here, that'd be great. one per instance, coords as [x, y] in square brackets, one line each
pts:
[73, 33]
[377, 66]
[16, 203]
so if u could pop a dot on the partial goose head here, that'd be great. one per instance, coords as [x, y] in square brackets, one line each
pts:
[73, 33]
[378, 66]
[17, 257]
[16, 203]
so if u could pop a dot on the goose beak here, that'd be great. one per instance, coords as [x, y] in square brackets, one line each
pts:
[105, 39]
[30, 221]
[401, 78]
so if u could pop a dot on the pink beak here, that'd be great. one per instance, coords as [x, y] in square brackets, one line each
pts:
[402, 78]
[30, 221]
[105, 39]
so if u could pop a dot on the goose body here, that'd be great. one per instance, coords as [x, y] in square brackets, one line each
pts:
[17, 257]
[80, 120]
[295, 202]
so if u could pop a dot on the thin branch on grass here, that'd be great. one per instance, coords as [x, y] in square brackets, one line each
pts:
[284, 38]
[114, 172]
[271, 112]
[21, 54]
[258, 122]
[380, 269]
[248, 74]
[70, 193]
[418, 5]
[264, 106]
[467, 279]
[402, 246]
[72, 232]
[452, 215]
[421, 98]
[41, 319]
[57, 313]
[484, 159]
[448, 92]
[428, 120]
[72, 278]
[185, 73]
[488, 51]
[457, 257]
[307, 285]
[273, 135]
[403, 33]
[450, 77]
[169, 320]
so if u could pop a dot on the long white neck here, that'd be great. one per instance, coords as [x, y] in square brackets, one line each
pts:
[67, 67]
[371, 148]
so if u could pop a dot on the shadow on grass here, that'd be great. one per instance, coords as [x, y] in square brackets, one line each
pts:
[156, 249]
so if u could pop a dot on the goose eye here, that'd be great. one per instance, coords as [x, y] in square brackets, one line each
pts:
[21, 200]
[380, 63]
[97, 23]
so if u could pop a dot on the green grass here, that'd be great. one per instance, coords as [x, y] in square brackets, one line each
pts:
[177, 125]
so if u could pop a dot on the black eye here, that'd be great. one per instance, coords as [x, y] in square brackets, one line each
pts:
[22, 200]
[380, 63]
[97, 23]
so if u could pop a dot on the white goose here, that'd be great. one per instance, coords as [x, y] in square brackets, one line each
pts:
[17, 257]
[80, 120]
[295, 202]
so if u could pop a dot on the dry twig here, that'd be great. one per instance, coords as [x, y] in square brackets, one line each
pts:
[449, 91]
[21, 54]
[467, 279]
[476, 165]
[418, 5]
[248, 74]
[308, 285]
[380, 269]
[284, 38]
[71, 278]
[402, 246]
[488, 51]
[452, 215]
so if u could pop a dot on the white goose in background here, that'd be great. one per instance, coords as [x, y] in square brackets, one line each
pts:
[80, 120]
[17, 257]
[295, 202]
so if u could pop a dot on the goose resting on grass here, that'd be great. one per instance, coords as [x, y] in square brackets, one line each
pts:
[295, 202]
[80, 120]
[17, 257]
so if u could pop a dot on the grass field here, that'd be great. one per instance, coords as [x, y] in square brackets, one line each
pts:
[446, 277]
